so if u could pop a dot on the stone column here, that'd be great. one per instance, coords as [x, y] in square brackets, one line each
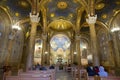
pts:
[44, 36]
[72, 51]
[48, 58]
[77, 38]
[34, 22]
[10, 47]
[111, 53]
[91, 20]
[116, 51]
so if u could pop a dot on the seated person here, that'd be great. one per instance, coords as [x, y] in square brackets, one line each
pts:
[91, 71]
[43, 68]
[33, 67]
[96, 69]
[51, 67]
[102, 72]
[37, 66]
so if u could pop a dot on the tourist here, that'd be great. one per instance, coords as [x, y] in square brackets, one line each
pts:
[90, 70]
[102, 72]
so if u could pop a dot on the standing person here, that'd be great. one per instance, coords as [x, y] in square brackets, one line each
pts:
[102, 72]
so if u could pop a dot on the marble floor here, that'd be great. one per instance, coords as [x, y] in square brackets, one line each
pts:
[63, 76]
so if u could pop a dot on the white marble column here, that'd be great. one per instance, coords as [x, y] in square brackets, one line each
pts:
[91, 20]
[116, 50]
[34, 22]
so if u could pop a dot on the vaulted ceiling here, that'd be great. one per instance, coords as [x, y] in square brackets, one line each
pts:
[62, 9]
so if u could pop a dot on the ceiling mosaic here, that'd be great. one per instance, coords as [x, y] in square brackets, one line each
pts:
[60, 41]
[65, 9]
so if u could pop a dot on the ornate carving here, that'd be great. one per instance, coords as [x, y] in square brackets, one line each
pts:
[62, 5]
[91, 19]
[34, 18]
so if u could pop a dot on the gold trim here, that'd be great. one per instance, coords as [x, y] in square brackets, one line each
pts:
[111, 20]
[99, 23]
[61, 20]
[4, 9]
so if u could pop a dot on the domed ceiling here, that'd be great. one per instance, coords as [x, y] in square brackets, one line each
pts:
[62, 9]
[17, 8]
[65, 9]
[106, 9]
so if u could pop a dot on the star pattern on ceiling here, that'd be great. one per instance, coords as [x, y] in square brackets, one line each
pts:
[65, 9]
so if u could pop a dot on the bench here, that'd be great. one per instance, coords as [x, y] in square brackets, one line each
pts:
[12, 78]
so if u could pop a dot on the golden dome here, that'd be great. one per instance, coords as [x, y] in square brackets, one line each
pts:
[60, 24]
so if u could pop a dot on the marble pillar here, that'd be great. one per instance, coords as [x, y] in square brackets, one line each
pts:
[116, 50]
[91, 20]
[34, 22]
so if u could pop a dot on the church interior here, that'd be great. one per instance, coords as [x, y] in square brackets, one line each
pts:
[59, 32]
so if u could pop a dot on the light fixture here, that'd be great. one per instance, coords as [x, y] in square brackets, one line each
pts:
[84, 47]
[75, 52]
[89, 57]
[46, 52]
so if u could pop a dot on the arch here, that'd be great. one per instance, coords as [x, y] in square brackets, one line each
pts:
[5, 21]
[99, 23]
[61, 25]
[114, 20]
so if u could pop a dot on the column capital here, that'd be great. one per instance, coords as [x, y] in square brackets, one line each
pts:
[34, 18]
[91, 19]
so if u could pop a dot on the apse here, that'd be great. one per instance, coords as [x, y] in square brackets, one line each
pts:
[60, 48]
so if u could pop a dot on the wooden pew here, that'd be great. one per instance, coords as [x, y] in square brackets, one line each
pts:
[103, 78]
[82, 74]
[12, 78]
[110, 78]
[50, 72]
[32, 78]
[26, 76]
[33, 75]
